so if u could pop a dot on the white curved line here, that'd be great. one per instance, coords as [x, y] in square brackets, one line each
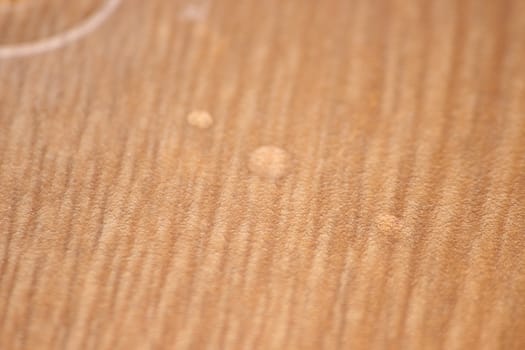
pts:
[62, 39]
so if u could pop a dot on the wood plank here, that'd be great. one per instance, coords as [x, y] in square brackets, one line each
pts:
[354, 176]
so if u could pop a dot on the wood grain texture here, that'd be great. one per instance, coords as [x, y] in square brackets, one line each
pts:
[399, 223]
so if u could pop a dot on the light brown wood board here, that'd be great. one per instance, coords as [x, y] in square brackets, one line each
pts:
[387, 212]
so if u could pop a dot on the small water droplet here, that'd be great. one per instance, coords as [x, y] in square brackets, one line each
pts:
[269, 162]
[200, 119]
[196, 11]
[388, 224]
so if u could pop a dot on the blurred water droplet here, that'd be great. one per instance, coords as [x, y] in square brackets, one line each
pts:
[269, 162]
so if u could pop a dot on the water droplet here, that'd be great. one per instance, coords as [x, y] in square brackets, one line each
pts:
[269, 162]
[200, 119]
[388, 224]
[196, 11]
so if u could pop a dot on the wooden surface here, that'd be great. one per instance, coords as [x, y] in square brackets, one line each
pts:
[386, 209]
